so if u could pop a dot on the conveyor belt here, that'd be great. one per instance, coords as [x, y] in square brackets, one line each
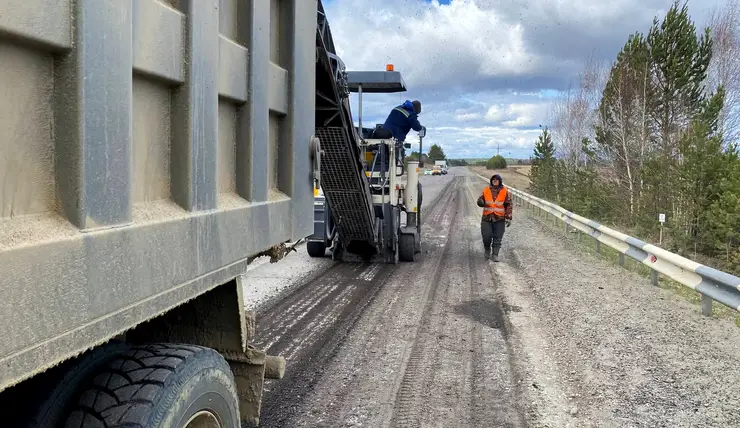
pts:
[343, 178]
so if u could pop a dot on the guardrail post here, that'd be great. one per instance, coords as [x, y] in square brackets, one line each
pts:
[565, 227]
[598, 246]
[580, 236]
[706, 305]
[654, 277]
[621, 259]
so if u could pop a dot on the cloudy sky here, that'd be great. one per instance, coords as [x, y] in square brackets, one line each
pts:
[486, 71]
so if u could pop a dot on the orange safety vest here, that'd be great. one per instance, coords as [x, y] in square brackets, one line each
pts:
[494, 206]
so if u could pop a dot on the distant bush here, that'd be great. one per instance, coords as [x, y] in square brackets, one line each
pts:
[496, 162]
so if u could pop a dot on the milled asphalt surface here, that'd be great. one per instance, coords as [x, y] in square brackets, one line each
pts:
[549, 337]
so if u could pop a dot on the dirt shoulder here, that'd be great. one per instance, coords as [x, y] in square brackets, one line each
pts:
[613, 351]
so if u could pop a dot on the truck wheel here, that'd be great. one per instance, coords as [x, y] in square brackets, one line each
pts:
[160, 386]
[56, 390]
[406, 248]
[316, 249]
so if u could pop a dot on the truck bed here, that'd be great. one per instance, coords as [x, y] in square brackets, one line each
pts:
[148, 151]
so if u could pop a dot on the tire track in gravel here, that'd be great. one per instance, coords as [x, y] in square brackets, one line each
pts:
[365, 375]
[494, 397]
[450, 376]
[311, 324]
[313, 337]
[462, 369]
[490, 398]
[408, 408]
[290, 316]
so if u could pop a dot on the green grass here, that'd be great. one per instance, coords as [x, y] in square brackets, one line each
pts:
[588, 244]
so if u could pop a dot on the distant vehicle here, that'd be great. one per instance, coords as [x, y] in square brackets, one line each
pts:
[427, 171]
[436, 170]
[441, 163]
[444, 170]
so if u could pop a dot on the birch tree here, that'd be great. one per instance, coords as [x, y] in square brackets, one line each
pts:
[724, 69]
[622, 135]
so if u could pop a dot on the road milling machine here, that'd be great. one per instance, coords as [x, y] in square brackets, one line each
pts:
[367, 201]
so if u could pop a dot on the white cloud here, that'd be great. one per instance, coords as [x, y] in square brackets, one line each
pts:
[517, 115]
[467, 117]
[431, 44]
[484, 70]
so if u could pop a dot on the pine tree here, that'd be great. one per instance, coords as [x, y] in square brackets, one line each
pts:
[542, 174]
[679, 61]
[436, 153]
[703, 164]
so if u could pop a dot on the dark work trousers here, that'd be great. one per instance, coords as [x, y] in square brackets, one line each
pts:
[492, 234]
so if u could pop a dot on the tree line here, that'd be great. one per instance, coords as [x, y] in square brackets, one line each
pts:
[435, 153]
[656, 132]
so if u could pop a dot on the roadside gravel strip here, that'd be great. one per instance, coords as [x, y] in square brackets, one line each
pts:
[549, 337]
[608, 347]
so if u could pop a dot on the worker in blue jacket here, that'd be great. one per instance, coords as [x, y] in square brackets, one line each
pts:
[403, 119]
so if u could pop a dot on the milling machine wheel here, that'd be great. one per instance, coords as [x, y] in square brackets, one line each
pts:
[316, 249]
[407, 244]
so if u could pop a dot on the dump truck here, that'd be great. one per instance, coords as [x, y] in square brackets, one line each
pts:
[151, 149]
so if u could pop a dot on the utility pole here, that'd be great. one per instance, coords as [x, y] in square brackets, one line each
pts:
[498, 148]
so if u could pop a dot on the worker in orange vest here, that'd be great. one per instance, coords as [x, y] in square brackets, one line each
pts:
[496, 203]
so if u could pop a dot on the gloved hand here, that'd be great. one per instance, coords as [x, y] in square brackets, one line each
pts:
[508, 222]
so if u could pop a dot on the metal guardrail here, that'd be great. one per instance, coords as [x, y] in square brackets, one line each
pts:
[712, 284]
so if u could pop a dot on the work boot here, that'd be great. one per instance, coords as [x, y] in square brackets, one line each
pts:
[495, 254]
[487, 253]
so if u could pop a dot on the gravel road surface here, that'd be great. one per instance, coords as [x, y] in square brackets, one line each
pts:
[549, 337]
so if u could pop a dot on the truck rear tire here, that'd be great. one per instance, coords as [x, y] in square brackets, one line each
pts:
[316, 249]
[45, 400]
[160, 386]
[406, 247]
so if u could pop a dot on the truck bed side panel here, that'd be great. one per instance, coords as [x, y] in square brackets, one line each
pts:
[149, 147]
